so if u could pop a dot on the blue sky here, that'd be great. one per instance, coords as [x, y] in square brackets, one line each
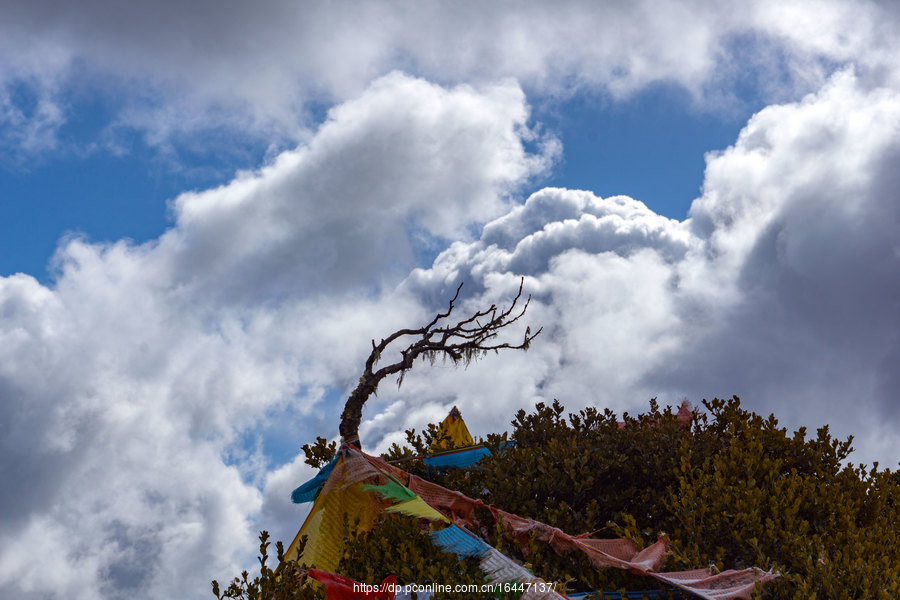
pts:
[208, 210]
[651, 147]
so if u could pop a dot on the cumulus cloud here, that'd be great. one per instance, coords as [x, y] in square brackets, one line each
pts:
[404, 163]
[802, 211]
[111, 471]
[131, 384]
[780, 287]
[172, 68]
[130, 387]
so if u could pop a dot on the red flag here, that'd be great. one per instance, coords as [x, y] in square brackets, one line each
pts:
[343, 588]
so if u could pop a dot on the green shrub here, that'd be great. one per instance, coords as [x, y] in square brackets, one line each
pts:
[731, 490]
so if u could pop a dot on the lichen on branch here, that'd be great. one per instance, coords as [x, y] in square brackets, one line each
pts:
[462, 342]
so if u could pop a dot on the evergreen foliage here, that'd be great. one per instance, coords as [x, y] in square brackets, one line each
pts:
[733, 490]
[285, 583]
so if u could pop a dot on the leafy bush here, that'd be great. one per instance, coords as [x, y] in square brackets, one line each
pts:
[287, 583]
[733, 490]
[749, 494]
[400, 545]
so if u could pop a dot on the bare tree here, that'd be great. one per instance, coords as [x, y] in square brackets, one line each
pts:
[467, 340]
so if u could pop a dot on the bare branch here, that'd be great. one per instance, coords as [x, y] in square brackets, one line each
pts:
[467, 340]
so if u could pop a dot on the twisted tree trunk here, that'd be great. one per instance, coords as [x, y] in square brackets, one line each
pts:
[465, 341]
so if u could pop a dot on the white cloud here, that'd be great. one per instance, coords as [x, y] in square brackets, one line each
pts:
[130, 387]
[802, 212]
[405, 162]
[780, 287]
[279, 515]
[170, 68]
